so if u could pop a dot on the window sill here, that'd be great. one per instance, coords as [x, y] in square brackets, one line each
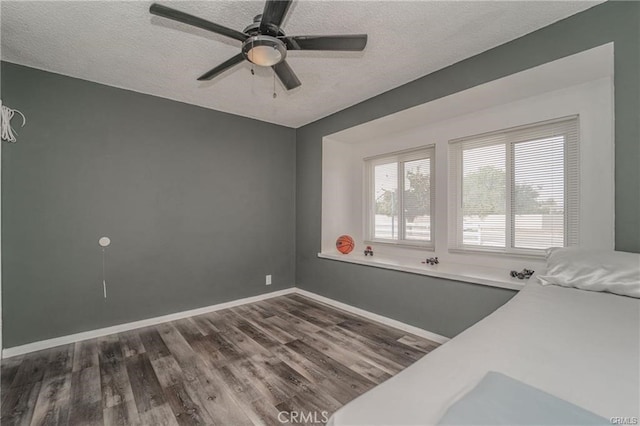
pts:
[404, 245]
[483, 275]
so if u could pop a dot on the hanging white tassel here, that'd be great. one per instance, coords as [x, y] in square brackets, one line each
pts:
[7, 132]
[104, 276]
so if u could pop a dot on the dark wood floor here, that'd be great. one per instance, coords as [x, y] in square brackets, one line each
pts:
[238, 366]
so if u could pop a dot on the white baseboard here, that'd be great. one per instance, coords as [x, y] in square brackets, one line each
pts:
[92, 334]
[375, 317]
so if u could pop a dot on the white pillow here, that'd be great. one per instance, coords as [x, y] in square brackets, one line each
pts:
[595, 270]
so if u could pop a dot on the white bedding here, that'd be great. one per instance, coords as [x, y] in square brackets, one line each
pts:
[580, 346]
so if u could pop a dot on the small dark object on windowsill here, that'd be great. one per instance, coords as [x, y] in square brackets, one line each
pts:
[368, 251]
[432, 261]
[524, 274]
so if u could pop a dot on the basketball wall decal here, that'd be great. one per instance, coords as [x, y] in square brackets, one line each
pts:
[345, 244]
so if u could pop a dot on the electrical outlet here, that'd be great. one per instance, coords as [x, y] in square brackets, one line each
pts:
[268, 280]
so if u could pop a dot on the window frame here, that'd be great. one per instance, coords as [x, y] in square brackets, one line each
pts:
[511, 137]
[399, 157]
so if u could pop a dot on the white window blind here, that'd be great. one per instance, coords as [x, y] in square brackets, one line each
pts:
[386, 201]
[516, 190]
[399, 197]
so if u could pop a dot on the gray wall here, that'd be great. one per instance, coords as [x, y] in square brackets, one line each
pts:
[199, 206]
[448, 307]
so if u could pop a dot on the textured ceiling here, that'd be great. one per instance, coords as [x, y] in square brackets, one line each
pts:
[120, 44]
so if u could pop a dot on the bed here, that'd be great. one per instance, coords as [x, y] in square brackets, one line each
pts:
[578, 346]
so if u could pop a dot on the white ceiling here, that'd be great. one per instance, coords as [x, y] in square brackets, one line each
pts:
[120, 44]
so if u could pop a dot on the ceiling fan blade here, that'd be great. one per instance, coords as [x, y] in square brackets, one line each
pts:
[286, 75]
[222, 67]
[185, 18]
[352, 42]
[274, 13]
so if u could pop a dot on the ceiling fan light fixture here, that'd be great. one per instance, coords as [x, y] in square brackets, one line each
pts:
[264, 51]
[263, 42]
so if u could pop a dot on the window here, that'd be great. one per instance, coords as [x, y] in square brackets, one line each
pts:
[516, 190]
[400, 191]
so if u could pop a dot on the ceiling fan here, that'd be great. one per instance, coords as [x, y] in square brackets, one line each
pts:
[263, 42]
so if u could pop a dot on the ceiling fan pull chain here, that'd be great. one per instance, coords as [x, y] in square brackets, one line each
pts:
[274, 85]
[252, 71]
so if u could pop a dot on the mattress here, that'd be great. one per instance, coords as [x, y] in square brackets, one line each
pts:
[579, 346]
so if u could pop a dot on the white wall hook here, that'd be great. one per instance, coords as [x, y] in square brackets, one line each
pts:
[104, 243]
